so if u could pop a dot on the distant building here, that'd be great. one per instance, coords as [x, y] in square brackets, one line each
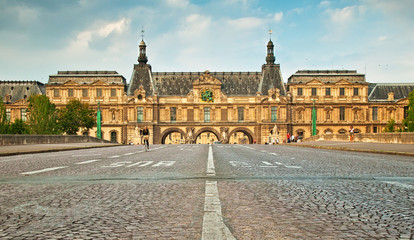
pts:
[230, 107]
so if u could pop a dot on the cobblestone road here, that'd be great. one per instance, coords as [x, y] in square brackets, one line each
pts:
[265, 192]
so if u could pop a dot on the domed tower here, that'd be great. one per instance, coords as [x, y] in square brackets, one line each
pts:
[270, 58]
[142, 57]
[141, 75]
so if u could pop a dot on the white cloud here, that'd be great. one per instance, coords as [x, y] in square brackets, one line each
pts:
[246, 23]
[278, 17]
[84, 38]
[194, 25]
[342, 16]
[382, 38]
[324, 4]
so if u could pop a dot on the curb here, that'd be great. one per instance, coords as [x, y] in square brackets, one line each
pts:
[51, 150]
[356, 150]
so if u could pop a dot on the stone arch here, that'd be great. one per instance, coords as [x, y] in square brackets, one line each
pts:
[246, 131]
[328, 131]
[206, 129]
[171, 130]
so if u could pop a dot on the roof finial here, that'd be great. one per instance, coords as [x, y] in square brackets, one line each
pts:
[142, 33]
[270, 33]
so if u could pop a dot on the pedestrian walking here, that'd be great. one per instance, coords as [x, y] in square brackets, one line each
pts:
[351, 133]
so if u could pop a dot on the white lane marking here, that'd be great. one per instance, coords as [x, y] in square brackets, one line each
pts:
[89, 161]
[211, 171]
[86, 155]
[270, 166]
[242, 164]
[403, 185]
[117, 156]
[293, 166]
[127, 154]
[43, 170]
[278, 163]
[274, 154]
[117, 164]
[141, 164]
[182, 149]
[213, 225]
[267, 163]
[164, 163]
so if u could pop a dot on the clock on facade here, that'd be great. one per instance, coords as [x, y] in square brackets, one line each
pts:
[207, 96]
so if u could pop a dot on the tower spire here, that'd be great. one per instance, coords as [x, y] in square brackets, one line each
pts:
[270, 58]
[142, 58]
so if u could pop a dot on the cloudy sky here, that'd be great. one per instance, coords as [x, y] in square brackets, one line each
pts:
[40, 37]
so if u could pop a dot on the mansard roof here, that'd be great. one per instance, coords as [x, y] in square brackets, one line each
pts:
[326, 76]
[87, 77]
[232, 83]
[379, 91]
[21, 89]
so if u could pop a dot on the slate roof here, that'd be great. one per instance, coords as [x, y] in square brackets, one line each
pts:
[87, 77]
[21, 89]
[232, 83]
[380, 91]
[326, 76]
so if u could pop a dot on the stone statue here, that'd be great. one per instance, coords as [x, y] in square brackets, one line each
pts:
[224, 135]
[136, 131]
[190, 135]
[275, 130]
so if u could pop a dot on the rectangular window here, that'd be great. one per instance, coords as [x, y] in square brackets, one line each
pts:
[240, 113]
[356, 91]
[342, 113]
[8, 114]
[206, 114]
[314, 92]
[342, 92]
[224, 115]
[173, 114]
[190, 115]
[327, 91]
[84, 92]
[99, 92]
[113, 92]
[374, 113]
[375, 129]
[56, 92]
[274, 114]
[300, 91]
[23, 114]
[405, 112]
[70, 92]
[140, 114]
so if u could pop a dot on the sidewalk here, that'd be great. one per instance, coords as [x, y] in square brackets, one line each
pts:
[369, 147]
[41, 148]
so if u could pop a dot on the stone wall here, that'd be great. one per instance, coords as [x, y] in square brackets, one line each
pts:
[8, 139]
[397, 137]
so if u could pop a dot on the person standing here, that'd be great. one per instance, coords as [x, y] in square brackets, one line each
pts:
[351, 133]
[288, 138]
[145, 135]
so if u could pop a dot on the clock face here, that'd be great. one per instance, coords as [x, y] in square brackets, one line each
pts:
[207, 96]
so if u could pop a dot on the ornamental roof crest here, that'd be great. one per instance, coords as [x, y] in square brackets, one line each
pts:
[207, 79]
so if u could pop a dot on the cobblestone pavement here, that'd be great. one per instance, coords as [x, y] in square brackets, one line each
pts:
[266, 192]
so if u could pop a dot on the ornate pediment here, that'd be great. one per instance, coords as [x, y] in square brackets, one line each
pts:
[99, 82]
[70, 82]
[207, 79]
[343, 82]
[314, 82]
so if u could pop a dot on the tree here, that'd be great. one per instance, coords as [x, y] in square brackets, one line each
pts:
[76, 115]
[42, 116]
[408, 122]
[18, 127]
[390, 126]
[4, 122]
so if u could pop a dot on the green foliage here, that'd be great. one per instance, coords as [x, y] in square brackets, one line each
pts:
[42, 116]
[76, 115]
[18, 127]
[390, 126]
[4, 122]
[408, 122]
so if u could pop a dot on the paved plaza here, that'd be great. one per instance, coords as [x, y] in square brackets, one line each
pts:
[206, 192]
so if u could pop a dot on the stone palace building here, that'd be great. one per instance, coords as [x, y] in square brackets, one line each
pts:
[230, 107]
